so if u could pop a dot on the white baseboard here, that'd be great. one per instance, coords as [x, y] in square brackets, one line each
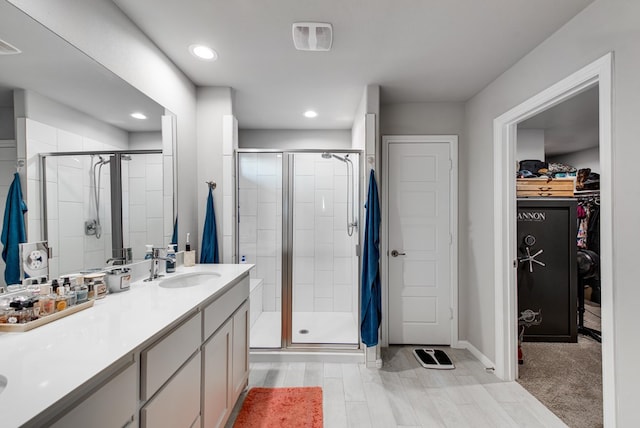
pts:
[476, 353]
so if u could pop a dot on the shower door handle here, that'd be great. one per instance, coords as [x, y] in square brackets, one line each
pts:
[396, 253]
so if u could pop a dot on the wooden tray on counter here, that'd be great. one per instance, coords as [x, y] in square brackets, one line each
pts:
[46, 320]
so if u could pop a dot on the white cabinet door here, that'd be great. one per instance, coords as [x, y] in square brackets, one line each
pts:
[113, 405]
[177, 404]
[240, 364]
[217, 377]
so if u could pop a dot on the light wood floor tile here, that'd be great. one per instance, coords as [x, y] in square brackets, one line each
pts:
[497, 416]
[275, 375]
[403, 394]
[379, 407]
[333, 403]
[400, 406]
[426, 413]
[295, 374]
[358, 415]
[353, 390]
[332, 370]
[314, 374]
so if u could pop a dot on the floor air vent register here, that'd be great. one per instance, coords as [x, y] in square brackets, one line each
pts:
[433, 359]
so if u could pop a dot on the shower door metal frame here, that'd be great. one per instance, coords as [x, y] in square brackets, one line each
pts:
[286, 331]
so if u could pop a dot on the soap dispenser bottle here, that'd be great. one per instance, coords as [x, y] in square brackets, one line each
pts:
[148, 252]
[171, 259]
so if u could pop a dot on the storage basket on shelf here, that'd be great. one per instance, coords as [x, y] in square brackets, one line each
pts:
[543, 187]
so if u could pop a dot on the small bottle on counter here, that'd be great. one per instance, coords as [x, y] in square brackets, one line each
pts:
[45, 301]
[148, 254]
[17, 314]
[171, 259]
[82, 292]
[189, 255]
[61, 299]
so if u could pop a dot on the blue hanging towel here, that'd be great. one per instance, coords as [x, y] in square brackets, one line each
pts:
[174, 237]
[13, 231]
[209, 249]
[371, 296]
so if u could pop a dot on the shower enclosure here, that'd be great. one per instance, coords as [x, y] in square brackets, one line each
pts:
[95, 203]
[298, 221]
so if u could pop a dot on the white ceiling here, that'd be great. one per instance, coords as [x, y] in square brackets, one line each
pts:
[417, 50]
[52, 67]
[570, 126]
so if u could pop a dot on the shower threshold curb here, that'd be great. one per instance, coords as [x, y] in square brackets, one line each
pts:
[352, 356]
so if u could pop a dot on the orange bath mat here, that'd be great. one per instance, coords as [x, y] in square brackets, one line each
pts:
[281, 408]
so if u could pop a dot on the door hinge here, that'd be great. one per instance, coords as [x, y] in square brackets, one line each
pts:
[450, 238]
[451, 313]
[515, 263]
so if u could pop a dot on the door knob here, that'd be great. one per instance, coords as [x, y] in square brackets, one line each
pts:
[396, 253]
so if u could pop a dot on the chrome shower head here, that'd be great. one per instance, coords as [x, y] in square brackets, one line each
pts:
[326, 155]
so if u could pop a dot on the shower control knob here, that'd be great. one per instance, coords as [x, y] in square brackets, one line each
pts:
[396, 253]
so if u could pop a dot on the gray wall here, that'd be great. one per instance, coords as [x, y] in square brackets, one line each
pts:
[604, 26]
[45, 110]
[422, 119]
[292, 139]
[589, 158]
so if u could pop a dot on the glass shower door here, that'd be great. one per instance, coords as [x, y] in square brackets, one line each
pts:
[324, 237]
[260, 242]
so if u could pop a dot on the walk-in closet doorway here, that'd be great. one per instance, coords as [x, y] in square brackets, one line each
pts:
[298, 221]
[597, 74]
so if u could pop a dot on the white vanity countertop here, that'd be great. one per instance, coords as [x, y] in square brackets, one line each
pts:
[45, 364]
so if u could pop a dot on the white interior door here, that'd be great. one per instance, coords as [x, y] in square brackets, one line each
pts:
[419, 259]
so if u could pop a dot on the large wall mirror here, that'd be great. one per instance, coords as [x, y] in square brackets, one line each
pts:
[95, 179]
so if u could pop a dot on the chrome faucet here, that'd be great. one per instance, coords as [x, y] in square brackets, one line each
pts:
[153, 270]
[121, 256]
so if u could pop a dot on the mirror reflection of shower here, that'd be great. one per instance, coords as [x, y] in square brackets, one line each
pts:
[352, 222]
[93, 226]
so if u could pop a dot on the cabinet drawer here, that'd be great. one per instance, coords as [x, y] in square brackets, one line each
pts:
[164, 357]
[113, 405]
[222, 308]
[545, 187]
[177, 404]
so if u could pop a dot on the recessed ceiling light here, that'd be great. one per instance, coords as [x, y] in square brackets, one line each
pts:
[310, 114]
[138, 115]
[203, 52]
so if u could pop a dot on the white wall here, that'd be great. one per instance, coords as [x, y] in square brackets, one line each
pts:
[589, 158]
[290, 139]
[129, 54]
[212, 104]
[8, 158]
[145, 140]
[530, 144]
[604, 26]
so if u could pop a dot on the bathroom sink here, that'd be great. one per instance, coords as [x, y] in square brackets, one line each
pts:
[188, 279]
[3, 383]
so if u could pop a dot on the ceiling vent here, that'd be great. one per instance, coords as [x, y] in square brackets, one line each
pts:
[8, 48]
[312, 36]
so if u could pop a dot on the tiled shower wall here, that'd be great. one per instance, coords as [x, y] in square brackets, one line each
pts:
[325, 265]
[325, 262]
[142, 203]
[68, 198]
[260, 221]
